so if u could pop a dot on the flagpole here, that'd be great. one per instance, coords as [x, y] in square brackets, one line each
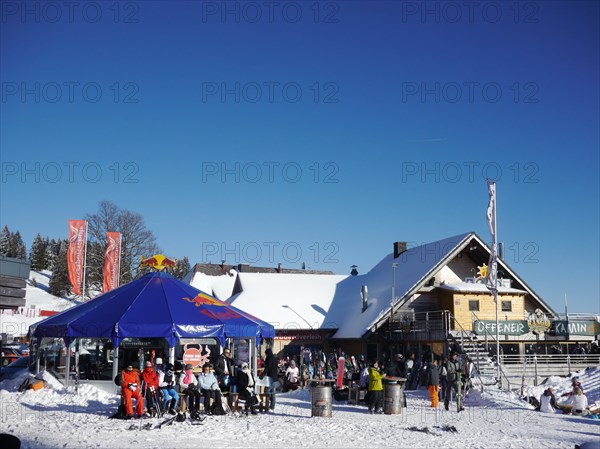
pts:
[567, 317]
[492, 274]
[495, 291]
[84, 262]
[119, 261]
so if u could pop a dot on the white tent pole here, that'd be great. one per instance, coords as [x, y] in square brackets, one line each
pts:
[115, 360]
[172, 354]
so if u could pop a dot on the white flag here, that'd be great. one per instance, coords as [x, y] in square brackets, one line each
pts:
[491, 210]
[491, 281]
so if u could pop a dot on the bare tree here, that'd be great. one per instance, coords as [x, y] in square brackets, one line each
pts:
[137, 241]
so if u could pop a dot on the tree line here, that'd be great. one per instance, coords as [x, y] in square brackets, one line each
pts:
[51, 254]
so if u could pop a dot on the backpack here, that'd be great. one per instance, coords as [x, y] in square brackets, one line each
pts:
[121, 413]
[221, 408]
[118, 380]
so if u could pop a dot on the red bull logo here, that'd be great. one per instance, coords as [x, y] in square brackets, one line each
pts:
[202, 299]
[158, 262]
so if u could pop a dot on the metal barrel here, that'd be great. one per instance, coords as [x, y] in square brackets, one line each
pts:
[321, 401]
[392, 399]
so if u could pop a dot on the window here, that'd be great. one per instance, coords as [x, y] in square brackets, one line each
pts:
[507, 306]
[474, 305]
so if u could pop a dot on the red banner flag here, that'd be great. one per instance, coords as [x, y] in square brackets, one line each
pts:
[76, 254]
[112, 259]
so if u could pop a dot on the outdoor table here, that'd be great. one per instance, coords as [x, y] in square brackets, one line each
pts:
[322, 381]
[393, 398]
[321, 398]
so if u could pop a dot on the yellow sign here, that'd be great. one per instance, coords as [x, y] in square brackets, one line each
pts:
[159, 262]
[482, 271]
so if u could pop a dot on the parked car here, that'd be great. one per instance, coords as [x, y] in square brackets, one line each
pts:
[15, 368]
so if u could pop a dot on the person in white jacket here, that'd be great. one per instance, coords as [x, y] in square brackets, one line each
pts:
[548, 401]
[188, 385]
[166, 384]
[209, 386]
[579, 402]
[291, 376]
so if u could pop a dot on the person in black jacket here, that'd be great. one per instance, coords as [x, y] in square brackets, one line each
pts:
[454, 369]
[397, 367]
[245, 384]
[224, 369]
[271, 372]
[433, 382]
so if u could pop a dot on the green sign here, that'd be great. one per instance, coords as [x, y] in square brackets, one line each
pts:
[510, 327]
[559, 327]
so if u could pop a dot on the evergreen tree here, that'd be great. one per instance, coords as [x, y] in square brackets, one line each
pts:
[17, 247]
[52, 250]
[37, 255]
[5, 241]
[94, 275]
[59, 284]
[182, 268]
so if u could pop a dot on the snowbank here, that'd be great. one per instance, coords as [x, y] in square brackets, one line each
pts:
[58, 418]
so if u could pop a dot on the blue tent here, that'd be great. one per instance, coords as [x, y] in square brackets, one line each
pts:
[156, 305]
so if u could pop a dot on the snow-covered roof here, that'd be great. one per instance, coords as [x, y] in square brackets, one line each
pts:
[288, 301]
[334, 301]
[415, 266]
[221, 287]
[469, 287]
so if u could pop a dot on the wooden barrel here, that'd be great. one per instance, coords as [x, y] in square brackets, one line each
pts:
[392, 399]
[321, 401]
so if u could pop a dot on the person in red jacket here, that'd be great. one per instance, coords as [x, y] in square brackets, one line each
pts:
[150, 381]
[130, 388]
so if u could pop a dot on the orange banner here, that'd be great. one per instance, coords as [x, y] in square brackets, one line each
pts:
[76, 254]
[112, 258]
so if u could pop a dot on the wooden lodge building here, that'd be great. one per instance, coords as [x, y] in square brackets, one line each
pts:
[439, 302]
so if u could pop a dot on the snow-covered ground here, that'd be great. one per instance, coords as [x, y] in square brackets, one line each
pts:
[53, 417]
[38, 296]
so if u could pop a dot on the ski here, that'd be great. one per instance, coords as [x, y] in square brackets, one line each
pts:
[167, 422]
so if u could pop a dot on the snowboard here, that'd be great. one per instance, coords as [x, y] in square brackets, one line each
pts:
[339, 382]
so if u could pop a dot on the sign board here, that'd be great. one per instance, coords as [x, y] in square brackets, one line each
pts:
[590, 328]
[505, 327]
[298, 335]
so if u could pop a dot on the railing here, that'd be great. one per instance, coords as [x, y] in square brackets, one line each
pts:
[545, 365]
[552, 359]
[502, 378]
[24, 311]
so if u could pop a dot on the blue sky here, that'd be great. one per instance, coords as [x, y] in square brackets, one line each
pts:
[311, 132]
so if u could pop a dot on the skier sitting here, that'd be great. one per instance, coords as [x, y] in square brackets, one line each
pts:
[245, 383]
[150, 380]
[210, 388]
[579, 403]
[166, 383]
[189, 386]
[130, 388]
[548, 401]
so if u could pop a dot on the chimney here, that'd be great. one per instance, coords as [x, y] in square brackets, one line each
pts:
[279, 267]
[399, 248]
[364, 294]
[354, 271]
[243, 267]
